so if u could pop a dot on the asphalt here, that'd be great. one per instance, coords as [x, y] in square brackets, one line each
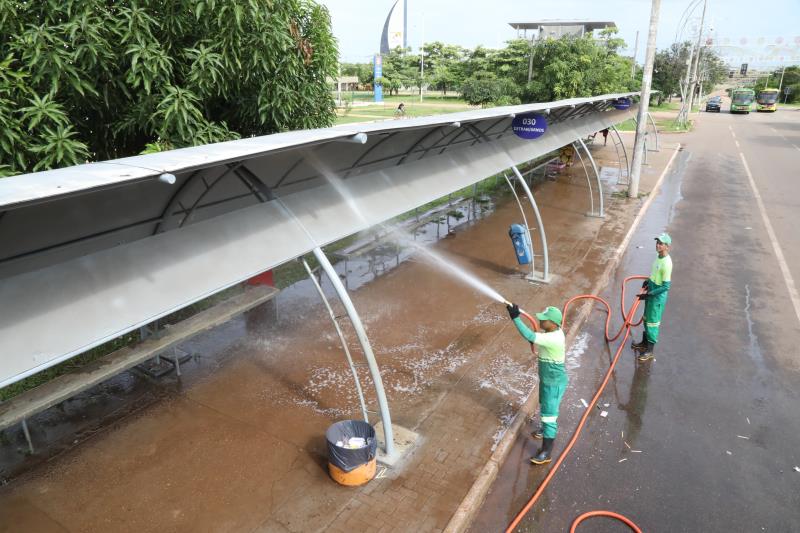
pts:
[713, 419]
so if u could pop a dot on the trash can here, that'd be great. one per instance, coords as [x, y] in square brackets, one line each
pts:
[519, 238]
[352, 450]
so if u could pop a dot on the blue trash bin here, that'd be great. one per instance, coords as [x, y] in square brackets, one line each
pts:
[522, 248]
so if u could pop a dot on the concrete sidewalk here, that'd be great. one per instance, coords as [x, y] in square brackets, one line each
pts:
[242, 448]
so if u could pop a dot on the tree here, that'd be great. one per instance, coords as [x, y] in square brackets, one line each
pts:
[445, 62]
[669, 70]
[92, 79]
[578, 66]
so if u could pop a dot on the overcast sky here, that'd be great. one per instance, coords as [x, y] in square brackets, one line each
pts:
[358, 23]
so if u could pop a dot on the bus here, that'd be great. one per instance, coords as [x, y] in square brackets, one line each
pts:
[767, 100]
[742, 100]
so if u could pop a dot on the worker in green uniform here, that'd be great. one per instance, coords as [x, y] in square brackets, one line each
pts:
[655, 298]
[552, 373]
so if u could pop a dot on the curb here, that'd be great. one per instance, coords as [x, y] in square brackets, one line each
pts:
[463, 516]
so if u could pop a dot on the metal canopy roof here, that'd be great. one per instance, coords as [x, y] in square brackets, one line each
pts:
[90, 252]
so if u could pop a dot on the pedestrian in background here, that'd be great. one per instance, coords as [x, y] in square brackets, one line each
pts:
[553, 378]
[655, 298]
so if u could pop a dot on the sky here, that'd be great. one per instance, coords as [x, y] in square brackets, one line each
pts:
[753, 35]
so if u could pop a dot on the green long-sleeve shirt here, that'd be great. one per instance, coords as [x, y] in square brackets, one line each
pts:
[552, 344]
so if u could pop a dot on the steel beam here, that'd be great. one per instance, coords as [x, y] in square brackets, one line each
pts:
[546, 266]
[601, 214]
[361, 333]
[588, 179]
[524, 221]
[341, 339]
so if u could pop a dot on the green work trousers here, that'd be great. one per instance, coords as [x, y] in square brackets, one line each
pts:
[653, 309]
[552, 385]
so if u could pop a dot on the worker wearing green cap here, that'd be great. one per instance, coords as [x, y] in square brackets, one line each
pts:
[655, 298]
[552, 373]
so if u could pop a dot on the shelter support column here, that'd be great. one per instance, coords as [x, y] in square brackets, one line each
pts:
[361, 333]
[341, 339]
[618, 143]
[601, 211]
[525, 222]
[588, 179]
[546, 266]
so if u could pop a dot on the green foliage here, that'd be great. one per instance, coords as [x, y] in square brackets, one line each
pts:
[92, 79]
[560, 68]
[791, 78]
[577, 67]
[669, 68]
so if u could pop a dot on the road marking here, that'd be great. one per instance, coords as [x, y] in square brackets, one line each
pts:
[737, 143]
[732, 132]
[787, 276]
[784, 138]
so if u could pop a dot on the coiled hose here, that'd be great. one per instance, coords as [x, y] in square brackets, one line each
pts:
[626, 326]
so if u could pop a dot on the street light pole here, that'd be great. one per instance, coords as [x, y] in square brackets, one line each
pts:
[697, 56]
[644, 101]
[635, 51]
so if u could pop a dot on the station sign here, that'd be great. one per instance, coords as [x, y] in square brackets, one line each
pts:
[622, 103]
[529, 125]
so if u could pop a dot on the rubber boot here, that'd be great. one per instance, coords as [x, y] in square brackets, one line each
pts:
[538, 432]
[640, 346]
[647, 353]
[544, 455]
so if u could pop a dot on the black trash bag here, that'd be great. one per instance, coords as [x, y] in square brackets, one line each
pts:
[349, 459]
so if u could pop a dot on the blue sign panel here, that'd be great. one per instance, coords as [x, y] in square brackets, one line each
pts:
[529, 125]
[377, 73]
[622, 103]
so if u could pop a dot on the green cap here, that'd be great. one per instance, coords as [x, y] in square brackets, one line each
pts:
[552, 314]
[664, 238]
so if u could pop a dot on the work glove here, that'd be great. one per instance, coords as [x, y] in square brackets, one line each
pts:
[513, 311]
[643, 296]
[645, 283]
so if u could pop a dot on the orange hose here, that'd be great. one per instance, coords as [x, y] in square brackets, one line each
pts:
[624, 519]
[626, 328]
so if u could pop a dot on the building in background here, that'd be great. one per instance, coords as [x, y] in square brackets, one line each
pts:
[554, 29]
[395, 29]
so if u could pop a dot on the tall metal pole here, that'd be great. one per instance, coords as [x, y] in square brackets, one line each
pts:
[699, 49]
[635, 51]
[361, 333]
[530, 61]
[644, 102]
[405, 23]
[780, 85]
[422, 60]
[684, 112]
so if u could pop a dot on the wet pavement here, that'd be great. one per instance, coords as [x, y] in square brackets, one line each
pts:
[237, 443]
[705, 437]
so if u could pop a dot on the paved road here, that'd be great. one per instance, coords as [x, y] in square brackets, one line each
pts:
[716, 415]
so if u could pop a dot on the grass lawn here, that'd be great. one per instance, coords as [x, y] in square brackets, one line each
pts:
[365, 96]
[386, 111]
[663, 124]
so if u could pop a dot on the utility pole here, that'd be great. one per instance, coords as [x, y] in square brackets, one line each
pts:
[635, 51]
[697, 57]
[780, 86]
[644, 102]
